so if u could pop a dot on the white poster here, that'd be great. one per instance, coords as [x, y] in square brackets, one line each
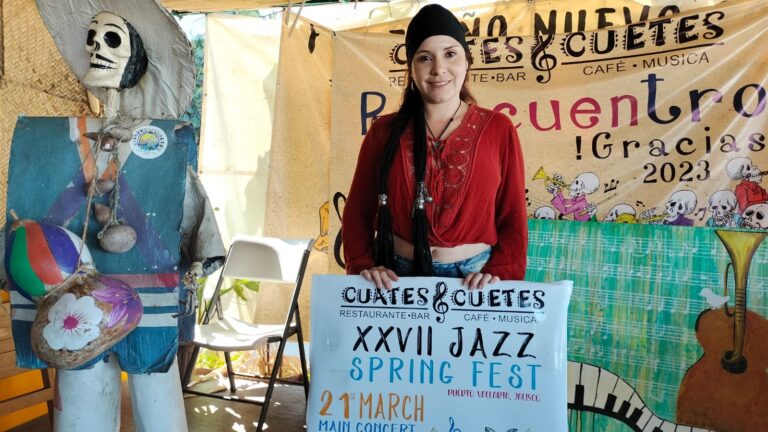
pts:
[431, 356]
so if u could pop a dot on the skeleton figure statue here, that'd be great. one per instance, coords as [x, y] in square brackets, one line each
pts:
[138, 165]
[118, 59]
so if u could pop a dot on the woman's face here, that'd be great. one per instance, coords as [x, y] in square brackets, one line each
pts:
[438, 69]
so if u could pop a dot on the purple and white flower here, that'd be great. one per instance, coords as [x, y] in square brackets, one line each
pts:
[73, 322]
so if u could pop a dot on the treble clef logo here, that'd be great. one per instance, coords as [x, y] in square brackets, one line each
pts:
[438, 304]
[338, 197]
[452, 427]
[542, 61]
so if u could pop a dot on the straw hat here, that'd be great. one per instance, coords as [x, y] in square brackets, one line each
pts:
[166, 88]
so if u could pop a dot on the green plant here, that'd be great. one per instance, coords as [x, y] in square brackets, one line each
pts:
[211, 360]
[238, 287]
[202, 302]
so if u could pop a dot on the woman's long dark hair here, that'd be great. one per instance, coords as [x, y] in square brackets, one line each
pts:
[411, 112]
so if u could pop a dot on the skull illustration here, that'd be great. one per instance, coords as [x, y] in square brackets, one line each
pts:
[680, 203]
[722, 204]
[742, 168]
[544, 212]
[585, 183]
[618, 210]
[117, 56]
[756, 216]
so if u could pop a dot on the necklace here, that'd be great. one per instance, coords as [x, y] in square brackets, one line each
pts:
[437, 141]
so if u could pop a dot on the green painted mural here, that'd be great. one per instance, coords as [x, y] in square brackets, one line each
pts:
[638, 293]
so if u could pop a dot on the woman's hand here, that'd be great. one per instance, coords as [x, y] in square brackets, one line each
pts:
[381, 276]
[478, 280]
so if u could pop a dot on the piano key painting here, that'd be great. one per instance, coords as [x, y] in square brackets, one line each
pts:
[656, 343]
[593, 390]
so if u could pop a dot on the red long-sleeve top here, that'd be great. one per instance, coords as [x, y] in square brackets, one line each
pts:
[476, 180]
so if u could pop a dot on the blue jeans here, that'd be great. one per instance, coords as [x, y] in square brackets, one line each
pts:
[404, 266]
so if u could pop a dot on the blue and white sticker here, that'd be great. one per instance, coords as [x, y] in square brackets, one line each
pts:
[149, 142]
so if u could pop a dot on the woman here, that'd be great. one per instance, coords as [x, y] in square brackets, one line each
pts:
[439, 188]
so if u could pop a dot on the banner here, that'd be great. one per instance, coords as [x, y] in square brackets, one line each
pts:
[657, 121]
[431, 356]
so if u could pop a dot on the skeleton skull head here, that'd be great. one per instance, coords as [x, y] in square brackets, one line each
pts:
[117, 56]
[585, 183]
[742, 168]
[618, 210]
[680, 203]
[722, 203]
[544, 212]
[756, 216]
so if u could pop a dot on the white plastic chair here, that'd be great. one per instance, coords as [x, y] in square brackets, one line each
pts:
[259, 259]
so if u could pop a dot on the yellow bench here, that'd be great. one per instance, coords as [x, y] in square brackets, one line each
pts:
[20, 389]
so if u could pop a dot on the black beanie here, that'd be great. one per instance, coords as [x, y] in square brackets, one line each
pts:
[432, 20]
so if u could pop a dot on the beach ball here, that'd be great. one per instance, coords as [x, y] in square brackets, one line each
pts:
[39, 256]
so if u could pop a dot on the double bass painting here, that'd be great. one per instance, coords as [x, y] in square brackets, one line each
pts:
[727, 388]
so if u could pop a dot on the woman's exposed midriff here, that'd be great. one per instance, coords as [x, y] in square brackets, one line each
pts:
[404, 248]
